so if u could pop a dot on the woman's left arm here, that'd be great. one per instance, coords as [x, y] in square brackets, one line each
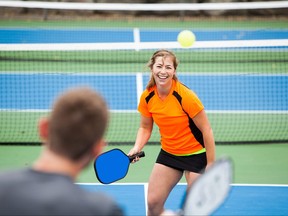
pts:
[202, 122]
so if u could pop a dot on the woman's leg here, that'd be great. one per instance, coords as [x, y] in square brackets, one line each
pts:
[190, 178]
[161, 182]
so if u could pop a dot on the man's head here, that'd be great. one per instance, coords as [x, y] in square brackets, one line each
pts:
[77, 122]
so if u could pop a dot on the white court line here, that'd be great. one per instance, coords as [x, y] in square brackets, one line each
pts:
[145, 196]
[131, 183]
[247, 111]
[136, 35]
[179, 73]
[260, 185]
[145, 184]
[71, 73]
[139, 86]
[143, 45]
[135, 111]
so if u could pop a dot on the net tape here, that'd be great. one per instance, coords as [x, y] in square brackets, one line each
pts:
[146, 7]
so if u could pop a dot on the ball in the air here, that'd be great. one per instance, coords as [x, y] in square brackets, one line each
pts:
[186, 38]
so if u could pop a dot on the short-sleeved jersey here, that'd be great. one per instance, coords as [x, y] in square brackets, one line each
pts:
[30, 192]
[174, 117]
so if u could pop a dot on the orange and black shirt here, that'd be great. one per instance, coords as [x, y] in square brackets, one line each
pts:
[174, 117]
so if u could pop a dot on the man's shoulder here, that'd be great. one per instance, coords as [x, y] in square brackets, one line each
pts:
[26, 187]
[10, 176]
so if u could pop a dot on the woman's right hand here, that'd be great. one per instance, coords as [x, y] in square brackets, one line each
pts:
[132, 152]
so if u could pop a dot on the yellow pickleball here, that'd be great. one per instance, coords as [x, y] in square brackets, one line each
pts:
[186, 38]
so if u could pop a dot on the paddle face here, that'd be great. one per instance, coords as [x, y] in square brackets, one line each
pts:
[209, 191]
[113, 165]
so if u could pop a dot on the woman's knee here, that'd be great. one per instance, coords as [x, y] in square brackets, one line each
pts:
[153, 200]
[155, 206]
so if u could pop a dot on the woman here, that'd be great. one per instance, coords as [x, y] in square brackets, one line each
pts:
[187, 141]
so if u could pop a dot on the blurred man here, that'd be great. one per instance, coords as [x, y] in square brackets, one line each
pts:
[72, 137]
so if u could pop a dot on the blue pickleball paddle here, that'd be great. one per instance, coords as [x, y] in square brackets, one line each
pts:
[113, 165]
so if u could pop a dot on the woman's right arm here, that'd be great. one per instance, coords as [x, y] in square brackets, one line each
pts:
[143, 134]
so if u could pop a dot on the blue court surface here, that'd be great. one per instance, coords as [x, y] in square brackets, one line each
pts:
[27, 35]
[225, 92]
[242, 199]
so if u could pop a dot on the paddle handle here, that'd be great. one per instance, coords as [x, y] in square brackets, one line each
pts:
[140, 154]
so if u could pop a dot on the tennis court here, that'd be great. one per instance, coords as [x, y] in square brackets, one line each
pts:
[264, 191]
[16, 35]
[258, 90]
[233, 95]
[243, 199]
[243, 87]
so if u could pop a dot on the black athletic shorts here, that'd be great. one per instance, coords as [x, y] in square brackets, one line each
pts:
[193, 163]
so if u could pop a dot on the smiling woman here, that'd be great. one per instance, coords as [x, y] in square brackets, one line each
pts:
[187, 141]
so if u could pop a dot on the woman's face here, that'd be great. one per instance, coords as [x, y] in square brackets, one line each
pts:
[163, 71]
